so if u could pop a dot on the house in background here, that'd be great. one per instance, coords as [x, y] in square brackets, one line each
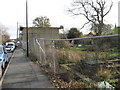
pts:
[40, 32]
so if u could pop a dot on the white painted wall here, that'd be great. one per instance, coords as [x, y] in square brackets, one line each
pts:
[0, 37]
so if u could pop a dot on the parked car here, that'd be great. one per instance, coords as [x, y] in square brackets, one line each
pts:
[10, 43]
[3, 58]
[10, 46]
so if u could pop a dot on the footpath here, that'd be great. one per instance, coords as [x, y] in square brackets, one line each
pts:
[23, 73]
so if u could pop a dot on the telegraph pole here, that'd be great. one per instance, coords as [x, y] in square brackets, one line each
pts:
[27, 28]
[17, 31]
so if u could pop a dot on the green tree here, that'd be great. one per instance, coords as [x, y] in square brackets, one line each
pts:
[74, 33]
[116, 30]
[41, 21]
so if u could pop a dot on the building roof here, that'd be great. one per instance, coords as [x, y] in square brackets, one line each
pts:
[21, 28]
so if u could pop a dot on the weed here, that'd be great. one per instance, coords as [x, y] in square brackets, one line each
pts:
[104, 74]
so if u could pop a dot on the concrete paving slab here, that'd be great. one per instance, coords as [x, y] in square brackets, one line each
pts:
[22, 73]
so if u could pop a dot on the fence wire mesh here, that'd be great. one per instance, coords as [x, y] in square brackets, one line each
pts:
[89, 59]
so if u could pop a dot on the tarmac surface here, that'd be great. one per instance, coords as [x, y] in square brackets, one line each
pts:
[23, 73]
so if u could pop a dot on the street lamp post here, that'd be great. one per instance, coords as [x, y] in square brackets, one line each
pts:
[27, 28]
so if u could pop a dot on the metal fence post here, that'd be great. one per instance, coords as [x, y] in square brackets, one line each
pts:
[53, 56]
[44, 51]
[72, 42]
[34, 51]
[40, 53]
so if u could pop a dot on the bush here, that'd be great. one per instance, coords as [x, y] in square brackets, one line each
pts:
[104, 74]
[62, 44]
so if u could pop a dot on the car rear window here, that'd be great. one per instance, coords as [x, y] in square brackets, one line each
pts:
[10, 44]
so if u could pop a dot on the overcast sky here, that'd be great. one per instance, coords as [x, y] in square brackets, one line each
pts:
[13, 11]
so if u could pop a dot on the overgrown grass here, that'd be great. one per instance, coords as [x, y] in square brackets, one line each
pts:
[104, 74]
[64, 55]
[76, 54]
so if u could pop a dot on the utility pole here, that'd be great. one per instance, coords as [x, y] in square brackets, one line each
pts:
[27, 28]
[17, 31]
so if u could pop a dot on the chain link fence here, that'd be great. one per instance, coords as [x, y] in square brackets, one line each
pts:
[86, 59]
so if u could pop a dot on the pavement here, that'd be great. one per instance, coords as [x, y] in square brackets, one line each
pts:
[23, 73]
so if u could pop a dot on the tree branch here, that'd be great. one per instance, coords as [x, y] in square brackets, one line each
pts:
[109, 9]
[85, 24]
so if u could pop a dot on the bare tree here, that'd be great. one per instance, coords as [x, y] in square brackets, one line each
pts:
[93, 10]
[106, 29]
[5, 36]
